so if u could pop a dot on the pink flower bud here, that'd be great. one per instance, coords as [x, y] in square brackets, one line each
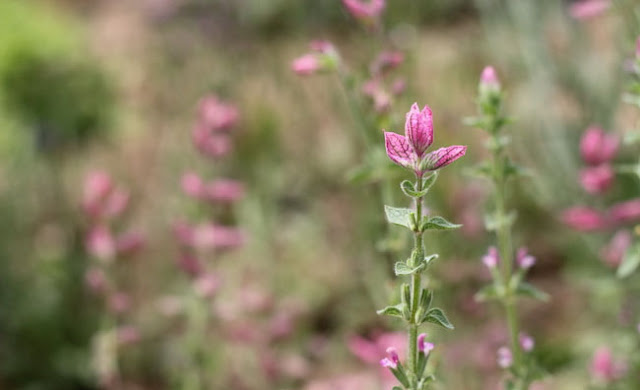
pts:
[306, 65]
[597, 147]
[588, 9]
[489, 79]
[100, 243]
[224, 190]
[524, 259]
[526, 342]
[444, 156]
[207, 285]
[184, 233]
[192, 185]
[96, 280]
[217, 115]
[424, 346]
[613, 252]
[505, 359]
[492, 258]
[129, 243]
[584, 219]
[97, 185]
[392, 359]
[367, 11]
[624, 212]
[596, 180]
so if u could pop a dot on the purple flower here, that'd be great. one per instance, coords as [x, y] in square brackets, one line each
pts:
[524, 259]
[526, 342]
[584, 219]
[409, 151]
[492, 258]
[423, 345]
[392, 359]
[597, 147]
[596, 180]
[505, 359]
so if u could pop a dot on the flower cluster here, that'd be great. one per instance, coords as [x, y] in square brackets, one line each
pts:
[211, 132]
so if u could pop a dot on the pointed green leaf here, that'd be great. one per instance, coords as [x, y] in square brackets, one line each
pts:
[437, 316]
[429, 181]
[400, 375]
[528, 290]
[409, 189]
[437, 223]
[487, 293]
[401, 268]
[426, 297]
[393, 311]
[398, 216]
[630, 262]
[428, 259]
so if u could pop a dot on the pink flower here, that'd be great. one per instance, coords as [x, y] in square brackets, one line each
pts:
[596, 147]
[369, 351]
[584, 219]
[603, 367]
[100, 243]
[129, 243]
[306, 65]
[409, 151]
[392, 359]
[587, 9]
[613, 252]
[210, 144]
[628, 211]
[524, 259]
[596, 180]
[505, 359]
[489, 79]
[209, 236]
[492, 258]
[206, 285]
[387, 60]
[526, 342]
[423, 345]
[192, 185]
[96, 280]
[97, 185]
[366, 11]
[116, 203]
[224, 190]
[216, 114]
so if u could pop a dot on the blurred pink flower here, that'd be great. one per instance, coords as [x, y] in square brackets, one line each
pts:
[367, 11]
[526, 342]
[128, 335]
[211, 145]
[96, 280]
[597, 147]
[492, 258]
[587, 9]
[489, 79]
[372, 350]
[623, 212]
[584, 219]
[410, 151]
[216, 114]
[423, 345]
[129, 243]
[596, 180]
[281, 326]
[392, 359]
[97, 185]
[524, 259]
[100, 243]
[615, 250]
[306, 65]
[207, 285]
[210, 236]
[386, 61]
[224, 190]
[192, 185]
[604, 368]
[116, 203]
[505, 359]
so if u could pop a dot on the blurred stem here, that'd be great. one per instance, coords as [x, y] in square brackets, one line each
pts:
[196, 330]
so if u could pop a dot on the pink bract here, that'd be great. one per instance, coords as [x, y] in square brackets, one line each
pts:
[584, 219]
[596, 180]
[597, 147]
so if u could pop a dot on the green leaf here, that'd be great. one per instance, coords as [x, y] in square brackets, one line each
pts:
[409, 189]
[426, 297]
[393, 311]
[437, 223]
[429, 181]
[397, 388]
[401, 268]
[487, 293]
[399, 216]
[437, 316]
[630, 262]
[430, 258]
[528, 290]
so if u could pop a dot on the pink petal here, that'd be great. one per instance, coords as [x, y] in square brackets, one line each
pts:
[398, 149]
[584, 219]
[444, 156]
[419, 129]
[596, 180]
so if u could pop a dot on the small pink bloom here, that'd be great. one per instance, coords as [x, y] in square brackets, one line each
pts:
[97, 185]
[306, 65]
[224, 190]
[212, 145]
[367, 11]
[526, 342]
[217, 115]
[398, 149]
[584, 219]
[492, 258]
[281, 326]
[423, 345]
[596, 180]
[96, 280]
[392, 359]
[628, 211]
[524, 259]
[604, 368]
[613, 252]
[192, 185]
[419, 129]
[489, 78]
[386, 61]
[206, 285]
[128, 335]
[100, 243]
[597, 147]
[505, 359]
[322, 46]
[184, 233]
[381, 101]
[209, 236]
[129, 243]
[119, 302]
[588, 9]
[116, 203]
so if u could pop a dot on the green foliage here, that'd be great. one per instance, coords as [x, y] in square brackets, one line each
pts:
[437, 223]
[437, 316]
[525, 289]
[630, 261]
[399, 216]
